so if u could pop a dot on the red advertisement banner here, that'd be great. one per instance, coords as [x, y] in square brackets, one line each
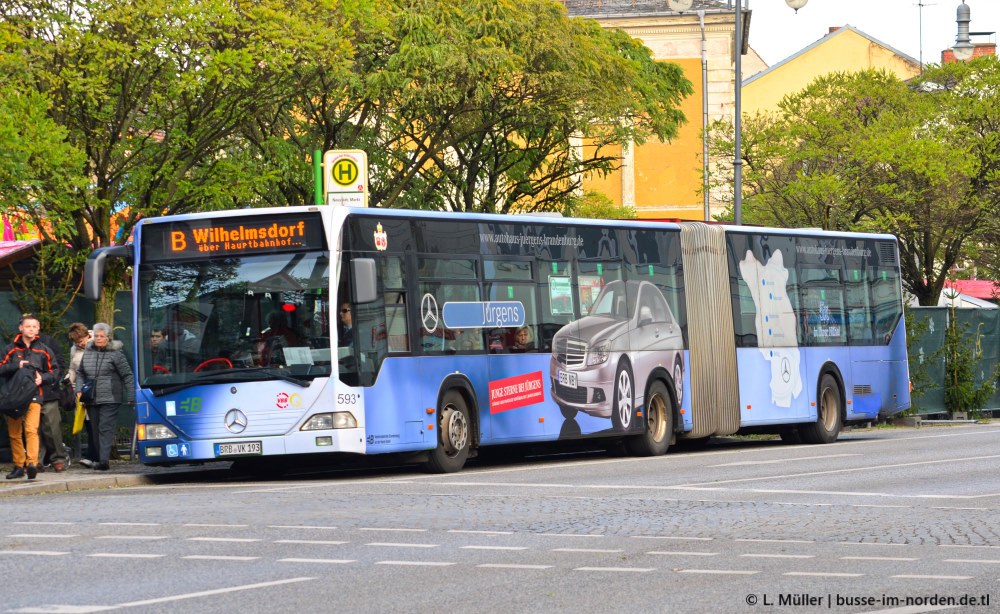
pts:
[518, 391]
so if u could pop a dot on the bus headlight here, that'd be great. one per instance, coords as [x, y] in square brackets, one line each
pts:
[334, 420]
[149, 432]
[598, 353]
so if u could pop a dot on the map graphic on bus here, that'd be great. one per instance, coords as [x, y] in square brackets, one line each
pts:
[775, 324]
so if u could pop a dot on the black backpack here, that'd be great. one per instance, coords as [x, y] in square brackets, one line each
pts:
[18, 392]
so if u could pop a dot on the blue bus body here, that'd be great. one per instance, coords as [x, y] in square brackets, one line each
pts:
[619, 341]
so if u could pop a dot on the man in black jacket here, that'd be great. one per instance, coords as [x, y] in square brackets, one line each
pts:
[27, 351]
[51, 449]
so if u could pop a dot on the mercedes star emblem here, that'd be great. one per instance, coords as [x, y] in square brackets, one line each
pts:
[429, 312]
[236, 421]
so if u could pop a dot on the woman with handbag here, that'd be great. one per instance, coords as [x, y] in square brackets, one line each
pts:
[79, 335]
[104, 369]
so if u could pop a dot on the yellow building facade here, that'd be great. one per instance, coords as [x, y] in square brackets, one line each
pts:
[843, 49]
[664, 180]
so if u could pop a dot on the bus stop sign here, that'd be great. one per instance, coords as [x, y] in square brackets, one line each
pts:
[345, 177]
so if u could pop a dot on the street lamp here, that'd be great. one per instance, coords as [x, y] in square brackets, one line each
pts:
[738, 157]
[963, 48]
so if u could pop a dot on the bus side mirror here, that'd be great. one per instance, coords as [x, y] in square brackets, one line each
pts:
[363, 273]
[93, 269]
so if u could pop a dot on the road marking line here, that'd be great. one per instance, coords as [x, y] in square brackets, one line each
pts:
[512, 566]
[401, 545]
[701, 539]
[593, 462]
[215, 526]
[621, 569]
[820, 574]
[329, 561]
[985, 562]
[241, 540]
[683, 553]
[877, 558]
[918, 577]
[965, 546]
[284, 526]
[149, 537]
[594, 550]
[873, 544]
[45, 522]
[122, 555]
[392, 529]
[35, 552]
[39, 535]
[416, 563]
[780, 556]
[481, 532]
[569, 535]
[209, 593]
[789, 460]
[128, 524]
[319, 542]
[493, 548]
[845, 470]
[219, 557]
[720, 571]
[778, 541]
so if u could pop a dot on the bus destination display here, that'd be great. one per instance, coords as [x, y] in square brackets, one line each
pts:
[232, 236]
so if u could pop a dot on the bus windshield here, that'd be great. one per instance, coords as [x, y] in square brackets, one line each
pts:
[244, 318]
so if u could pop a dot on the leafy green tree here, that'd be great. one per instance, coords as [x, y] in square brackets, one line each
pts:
[474, 105]
[865, 151]
[147, 98]
[962, 390]
[597, 206]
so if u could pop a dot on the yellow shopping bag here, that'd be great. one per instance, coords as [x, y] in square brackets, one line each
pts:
[81, 413]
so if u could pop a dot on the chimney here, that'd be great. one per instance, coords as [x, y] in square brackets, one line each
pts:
[833, 29]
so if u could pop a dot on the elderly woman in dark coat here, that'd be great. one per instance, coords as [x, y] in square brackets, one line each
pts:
[113, 385]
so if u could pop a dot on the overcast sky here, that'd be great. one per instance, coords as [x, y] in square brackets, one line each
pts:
[776, 31]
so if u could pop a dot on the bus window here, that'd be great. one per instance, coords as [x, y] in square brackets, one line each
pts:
[521, 293]
[435, 337]
[555, 298]
[823, 303]
[886, 303]
[859, 309]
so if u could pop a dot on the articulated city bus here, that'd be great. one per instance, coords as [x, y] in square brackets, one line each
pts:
[314, 330]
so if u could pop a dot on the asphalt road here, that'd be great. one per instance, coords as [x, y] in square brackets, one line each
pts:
[898, 520]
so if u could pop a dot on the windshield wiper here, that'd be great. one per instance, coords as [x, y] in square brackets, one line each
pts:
[243, 374]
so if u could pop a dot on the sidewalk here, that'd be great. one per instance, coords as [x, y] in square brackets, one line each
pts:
[122, 473]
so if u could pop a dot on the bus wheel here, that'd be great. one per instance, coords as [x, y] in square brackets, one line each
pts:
[624, 405]
[454, 435]
[568, 412]
[828, 421]
[678, 376]
[655, 439]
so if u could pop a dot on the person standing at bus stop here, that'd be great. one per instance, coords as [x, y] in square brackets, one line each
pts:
[27, 351]
[80, 335]
[51, 449]
[113, 385]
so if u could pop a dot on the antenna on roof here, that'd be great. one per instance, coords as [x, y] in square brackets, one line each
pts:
[920, 29]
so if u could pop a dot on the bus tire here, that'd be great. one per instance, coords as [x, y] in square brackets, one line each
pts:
[623, 407]
[828, 414]
[678, 376]
[454, 435]
[655, 438]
